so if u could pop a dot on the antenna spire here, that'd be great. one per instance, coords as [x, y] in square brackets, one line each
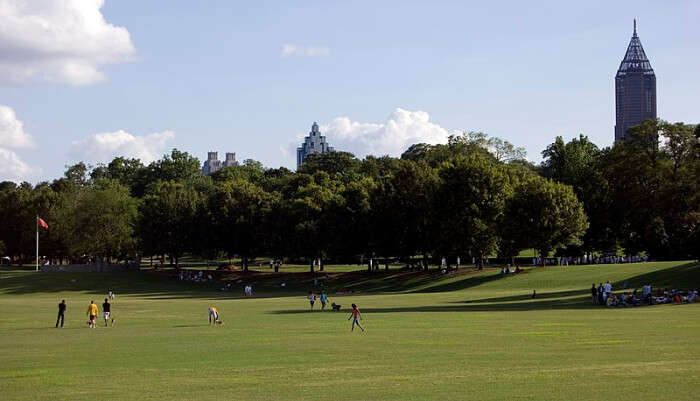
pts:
[635, 27]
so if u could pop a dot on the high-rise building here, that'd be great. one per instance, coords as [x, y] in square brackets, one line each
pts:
[635, 89]
[314, 143]
[213, 163]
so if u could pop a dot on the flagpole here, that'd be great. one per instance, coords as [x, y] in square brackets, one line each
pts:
[37, 242]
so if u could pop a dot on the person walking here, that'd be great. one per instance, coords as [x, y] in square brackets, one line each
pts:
[594, 294]
[312, 299]
[107, 311]
[324, 299]
[92, 313]
[61, 312]
[355, 315]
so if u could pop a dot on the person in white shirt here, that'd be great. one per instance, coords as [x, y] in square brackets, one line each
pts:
[608, 287]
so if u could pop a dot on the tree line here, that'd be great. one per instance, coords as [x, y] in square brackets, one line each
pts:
[472, 197]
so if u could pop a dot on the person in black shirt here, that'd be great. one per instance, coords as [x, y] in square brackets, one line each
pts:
[61, 312]
[107, 311]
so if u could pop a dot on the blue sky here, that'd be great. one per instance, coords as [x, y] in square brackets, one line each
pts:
[376, 75]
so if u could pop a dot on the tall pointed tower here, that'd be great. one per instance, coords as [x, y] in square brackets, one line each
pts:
[635, 89]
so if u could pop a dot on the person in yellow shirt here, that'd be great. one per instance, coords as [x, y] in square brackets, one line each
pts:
[92, 313]
[213, 315]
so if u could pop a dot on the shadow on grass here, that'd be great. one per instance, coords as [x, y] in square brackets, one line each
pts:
[165, 285]
[683, 277]
[530, 305]
[422, 281]
[528, 296]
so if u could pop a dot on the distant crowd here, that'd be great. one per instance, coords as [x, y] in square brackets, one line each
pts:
[603, 295]
[591, 260]
[194, 275]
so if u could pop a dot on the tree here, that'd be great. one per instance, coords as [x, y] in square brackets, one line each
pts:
[128, 172]
[311, 212]
[469, 204]
[546, 215]
[505, 151]
[98, 221]
[578, 164]
[403, 213]
[240, 209]
[168, 220]
[333, 163]
[351, 219]
[680, 144]
[18, 216]
[178, 166]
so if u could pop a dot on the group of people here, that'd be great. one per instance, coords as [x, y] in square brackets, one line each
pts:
[590, 260]
[248, 290]
[323, 298]
[194, 275]
[92, 312]
[667, 296]
[603, 295]
[355, 315]
[507, 270]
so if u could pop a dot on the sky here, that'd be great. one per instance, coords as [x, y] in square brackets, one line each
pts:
[89, 80]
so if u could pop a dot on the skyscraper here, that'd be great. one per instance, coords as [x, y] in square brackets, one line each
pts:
[314, 143]
[213, 163]
[635, 89]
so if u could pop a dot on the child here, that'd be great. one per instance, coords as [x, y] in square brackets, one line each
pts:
[312, 299]
[354, 315]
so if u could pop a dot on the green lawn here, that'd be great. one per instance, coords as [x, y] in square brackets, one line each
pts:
[466, 335]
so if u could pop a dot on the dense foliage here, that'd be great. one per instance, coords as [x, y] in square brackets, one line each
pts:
[472, 197]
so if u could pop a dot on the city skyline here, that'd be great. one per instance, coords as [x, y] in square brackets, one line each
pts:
[377, 77]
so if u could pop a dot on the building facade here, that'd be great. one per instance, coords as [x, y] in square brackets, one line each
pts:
[635, 89]
[213, 163]
[314, 143]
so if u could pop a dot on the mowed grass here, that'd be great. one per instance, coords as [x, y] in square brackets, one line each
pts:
[467, 335]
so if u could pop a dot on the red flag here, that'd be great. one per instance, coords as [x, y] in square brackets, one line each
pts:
[42, 223]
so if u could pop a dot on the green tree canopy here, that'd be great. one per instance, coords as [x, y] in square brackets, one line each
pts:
[168, 222]
[546, 214]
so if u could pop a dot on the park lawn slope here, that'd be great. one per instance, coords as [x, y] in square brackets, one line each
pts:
[465, 335]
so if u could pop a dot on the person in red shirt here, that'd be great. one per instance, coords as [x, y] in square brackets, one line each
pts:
[355, 315]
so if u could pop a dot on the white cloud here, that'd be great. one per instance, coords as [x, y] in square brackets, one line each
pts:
[12, 133]
[58, 41]
[402, 129]
[294, 50]
[13, 168]
[103, 147]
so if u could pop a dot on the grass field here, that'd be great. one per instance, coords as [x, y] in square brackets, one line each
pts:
[467, 335]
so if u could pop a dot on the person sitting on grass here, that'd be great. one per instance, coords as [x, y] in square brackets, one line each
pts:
[354, 315]
[608, 300]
